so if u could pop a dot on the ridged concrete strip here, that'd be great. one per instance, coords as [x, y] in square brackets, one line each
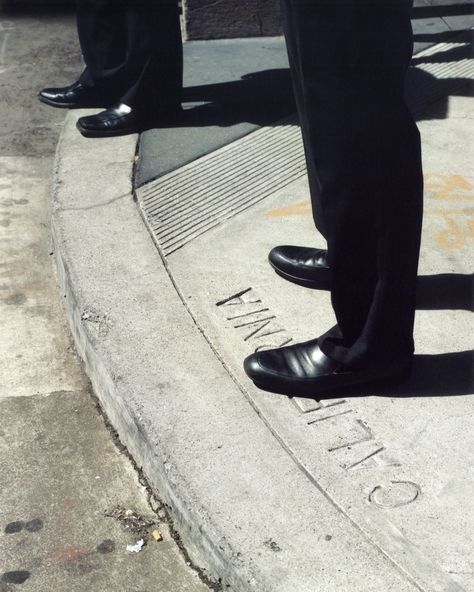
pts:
[188, 202]
[244, 508]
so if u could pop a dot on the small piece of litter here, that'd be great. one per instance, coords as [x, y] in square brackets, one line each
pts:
[156, 534]
[136, 548]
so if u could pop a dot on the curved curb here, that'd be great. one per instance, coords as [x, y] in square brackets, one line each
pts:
[245, 511]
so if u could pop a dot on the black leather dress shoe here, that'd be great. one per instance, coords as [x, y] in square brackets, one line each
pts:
[122, 120]
[75, 96]
[115, 121]
[302, 265]
[303, 370]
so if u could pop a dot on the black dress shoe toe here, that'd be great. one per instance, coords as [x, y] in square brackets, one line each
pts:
[75, 96]
[304, 370]
[115, 121]
[302, 265]
[122, 120]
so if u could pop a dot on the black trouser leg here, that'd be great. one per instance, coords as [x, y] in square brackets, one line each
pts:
[293, 47]
[364, 154]
[132, 50]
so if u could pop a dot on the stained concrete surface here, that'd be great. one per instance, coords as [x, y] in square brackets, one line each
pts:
[60, 471]
[62, 477]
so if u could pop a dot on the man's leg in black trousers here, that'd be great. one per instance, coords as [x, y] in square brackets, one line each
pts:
[364, 148]
[132, 50]
[294, 56]
[155, 42]
[102, 35]
[134, 65]
[304, 265]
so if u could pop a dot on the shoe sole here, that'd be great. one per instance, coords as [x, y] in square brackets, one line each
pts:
[107, 133]
[324, 283]
[69, 105]
[325, 388]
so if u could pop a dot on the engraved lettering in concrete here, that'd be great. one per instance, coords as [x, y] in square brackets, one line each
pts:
[345, 435]
[356, 444]
[306, 405]
[365, 435]
[254, 321]
[395, 494]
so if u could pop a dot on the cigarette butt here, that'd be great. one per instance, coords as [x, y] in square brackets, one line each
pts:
[156, 534]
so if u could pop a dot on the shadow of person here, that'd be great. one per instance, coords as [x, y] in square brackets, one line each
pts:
[428, 96]
[454, 53]
[265, 98]
[432, 375]
[437, 375]
[445, 291]
[266, 86]
[260, 98]
[462, 36]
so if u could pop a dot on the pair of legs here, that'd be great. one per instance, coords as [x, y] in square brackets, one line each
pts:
[348, 61]
[133, 58]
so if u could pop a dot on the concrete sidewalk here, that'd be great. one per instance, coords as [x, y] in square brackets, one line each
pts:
[269, 493]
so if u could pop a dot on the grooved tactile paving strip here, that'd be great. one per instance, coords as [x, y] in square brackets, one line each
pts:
[186, 203]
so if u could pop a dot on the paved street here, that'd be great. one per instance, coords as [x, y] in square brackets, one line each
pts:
[70, 501]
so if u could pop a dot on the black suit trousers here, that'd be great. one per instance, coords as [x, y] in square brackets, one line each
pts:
[132, 51]
[348, 61]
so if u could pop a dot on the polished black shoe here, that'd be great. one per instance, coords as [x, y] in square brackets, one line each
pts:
[302, 265]
[122, 120]
[303, 370]
[75, 96]
[115, 121]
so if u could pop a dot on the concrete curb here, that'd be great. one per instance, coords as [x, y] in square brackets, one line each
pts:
[246, 511]
[90, 328]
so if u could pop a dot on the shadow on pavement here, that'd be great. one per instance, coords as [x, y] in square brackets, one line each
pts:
[261, 98]
[437, 9]
[436, 375]
[432, 375]
[265, 98]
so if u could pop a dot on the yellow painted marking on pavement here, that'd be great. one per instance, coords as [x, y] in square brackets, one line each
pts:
[448, 187]
[457, 233]
[300, 208]
[458, 221]
[458, 230]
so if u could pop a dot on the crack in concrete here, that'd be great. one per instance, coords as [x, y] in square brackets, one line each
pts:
[96, 206]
